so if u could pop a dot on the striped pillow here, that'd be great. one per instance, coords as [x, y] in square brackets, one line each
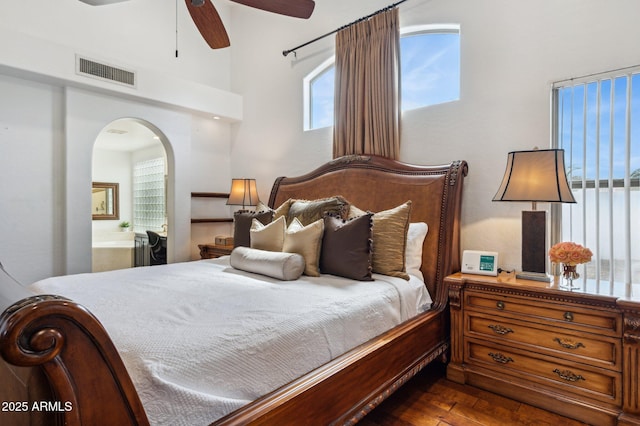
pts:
[390, 240]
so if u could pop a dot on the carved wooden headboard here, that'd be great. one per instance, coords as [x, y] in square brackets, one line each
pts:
[376, 183]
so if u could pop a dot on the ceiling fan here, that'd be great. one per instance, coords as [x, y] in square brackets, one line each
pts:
[210, 25]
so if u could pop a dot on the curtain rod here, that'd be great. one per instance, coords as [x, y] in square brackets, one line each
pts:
[364, 18]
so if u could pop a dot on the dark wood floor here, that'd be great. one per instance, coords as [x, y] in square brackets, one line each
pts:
[431, 399]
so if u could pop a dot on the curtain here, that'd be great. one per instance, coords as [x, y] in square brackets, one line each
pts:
[367, 113]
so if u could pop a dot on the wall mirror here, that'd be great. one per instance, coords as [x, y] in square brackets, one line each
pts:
[104, 201]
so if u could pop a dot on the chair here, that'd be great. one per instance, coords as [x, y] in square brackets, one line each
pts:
[157, 248]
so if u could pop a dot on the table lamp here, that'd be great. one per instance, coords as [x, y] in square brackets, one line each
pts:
[535, 176]
[243, 193]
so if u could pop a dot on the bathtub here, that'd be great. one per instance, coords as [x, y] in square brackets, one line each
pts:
[108, 255]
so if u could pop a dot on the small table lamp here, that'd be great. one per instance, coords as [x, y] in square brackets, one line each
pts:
[243, 193]
[535, 176]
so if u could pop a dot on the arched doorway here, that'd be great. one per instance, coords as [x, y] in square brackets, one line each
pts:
[130, 154]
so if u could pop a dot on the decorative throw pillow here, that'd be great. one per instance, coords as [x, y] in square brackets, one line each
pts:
[308, 211]
[346, 247]
[242, 224]
[268, 237]
[415, 240]
[283, 210]
[307, 241]
[354, 212]
[283, 266]
[390, 240]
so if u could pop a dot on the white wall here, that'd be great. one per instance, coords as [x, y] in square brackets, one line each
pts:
[115, 167]
[511, 52]
[50, 118]
[31, 172]
[47, 135]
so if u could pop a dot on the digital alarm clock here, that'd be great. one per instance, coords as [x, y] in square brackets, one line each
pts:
[480, 262]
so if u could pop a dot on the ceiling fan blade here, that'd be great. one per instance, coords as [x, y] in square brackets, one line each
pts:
[101, 2]
[209, 24]
[295, 8]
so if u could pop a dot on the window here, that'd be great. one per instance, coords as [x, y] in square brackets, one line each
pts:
[318, 96]
[429, 66]
[429, 74]
[149, 195]
[597, 122]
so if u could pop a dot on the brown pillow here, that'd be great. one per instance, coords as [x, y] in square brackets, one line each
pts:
[346, 247]
[242, 224]
[308, 211]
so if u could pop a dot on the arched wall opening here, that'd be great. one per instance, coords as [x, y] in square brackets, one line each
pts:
[130, 174]
[87, 114]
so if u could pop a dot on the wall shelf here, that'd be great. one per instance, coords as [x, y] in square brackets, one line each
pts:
[213, 220]
[211, 195]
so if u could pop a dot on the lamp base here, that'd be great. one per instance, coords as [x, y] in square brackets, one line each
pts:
[534, 276]
[534, 232]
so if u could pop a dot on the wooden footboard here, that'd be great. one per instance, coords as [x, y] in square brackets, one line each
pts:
[59, 366]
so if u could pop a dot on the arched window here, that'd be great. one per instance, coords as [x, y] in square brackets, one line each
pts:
[430, 74]
[429, 65]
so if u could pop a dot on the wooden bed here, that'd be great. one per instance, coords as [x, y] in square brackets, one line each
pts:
[56, 354]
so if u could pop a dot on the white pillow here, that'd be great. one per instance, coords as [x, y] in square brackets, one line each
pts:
[413, 252]
[283, 266]
[307, 241]
[267, 237]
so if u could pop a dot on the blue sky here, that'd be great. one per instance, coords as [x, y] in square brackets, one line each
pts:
[602, 127]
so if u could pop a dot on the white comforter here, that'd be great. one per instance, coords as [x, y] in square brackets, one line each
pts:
[201, 339]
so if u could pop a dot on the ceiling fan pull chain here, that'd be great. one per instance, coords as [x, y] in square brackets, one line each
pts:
[176, 28]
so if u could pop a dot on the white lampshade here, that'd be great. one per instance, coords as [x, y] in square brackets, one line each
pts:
[536, 176]
[243, 193]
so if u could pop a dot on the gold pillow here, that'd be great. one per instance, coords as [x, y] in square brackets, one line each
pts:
[267, 237]
[283, 210]
[307, 241]
[389, 236]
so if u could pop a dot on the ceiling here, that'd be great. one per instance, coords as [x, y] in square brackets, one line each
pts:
[126, 135]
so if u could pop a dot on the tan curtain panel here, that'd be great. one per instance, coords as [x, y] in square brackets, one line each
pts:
[367, 116]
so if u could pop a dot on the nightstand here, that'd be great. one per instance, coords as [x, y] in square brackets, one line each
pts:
[573, 353]
[212, 251]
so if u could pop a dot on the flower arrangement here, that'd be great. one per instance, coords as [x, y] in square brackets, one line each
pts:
[569, 253]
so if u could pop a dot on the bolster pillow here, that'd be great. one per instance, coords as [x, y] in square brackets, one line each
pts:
[284, 266]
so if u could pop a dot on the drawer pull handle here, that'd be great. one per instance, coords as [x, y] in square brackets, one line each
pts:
[568, 344]
[568, 375]
[500, 305]
[498, 329]
[568, 316]
[500, 358]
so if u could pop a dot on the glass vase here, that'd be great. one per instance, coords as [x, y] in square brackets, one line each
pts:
[569, 274]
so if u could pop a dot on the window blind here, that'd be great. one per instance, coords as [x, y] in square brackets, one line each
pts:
[596, 120]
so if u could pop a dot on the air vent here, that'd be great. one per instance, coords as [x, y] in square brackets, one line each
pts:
[90, 68]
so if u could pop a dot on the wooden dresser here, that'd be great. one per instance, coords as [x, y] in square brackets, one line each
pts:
[576, 353]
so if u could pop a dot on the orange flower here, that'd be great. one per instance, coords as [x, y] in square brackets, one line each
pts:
[569, 253]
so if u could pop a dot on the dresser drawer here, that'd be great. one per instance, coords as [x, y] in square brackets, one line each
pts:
[575, 316]
[582, 347]
[565, 377]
